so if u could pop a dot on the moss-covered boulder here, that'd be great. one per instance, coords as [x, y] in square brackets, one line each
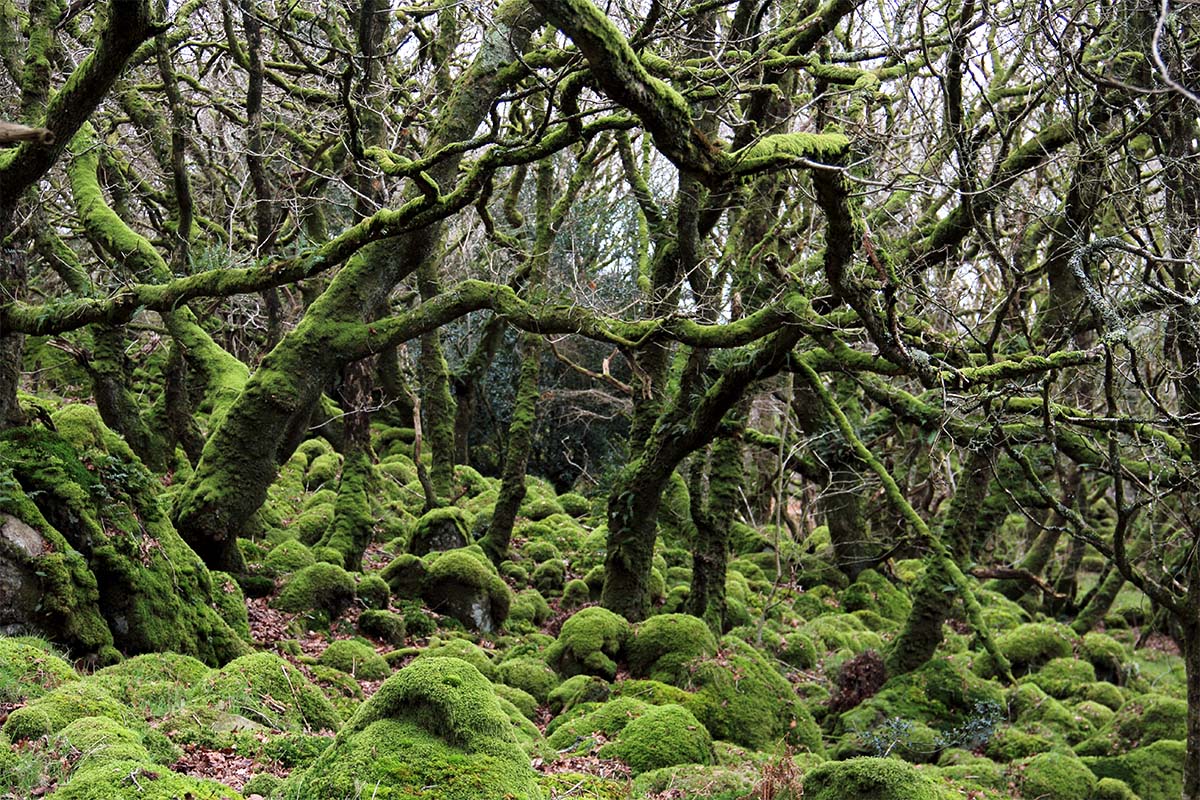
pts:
[54, 710]
[1062, 677]
[463, 650]
[1140, 721]
[139, 780]
[578, 689]
[435, 730]
[530, 608]
[664, 646]
[1029, 646]
[405, 575]
[1154, 772]
[575, 731]
[387, 626]
[287, 557]
[372, 592]
[355, 658]
[873, 592]
[664, 736]
[109, 566]
[465, 585]
[872, 779]
[29, 668]
[154, 683]
[440, 529]
[529, 674]
[323, 587]
[100, 740]
[1057, 776]
[589, 642]
[695, 780]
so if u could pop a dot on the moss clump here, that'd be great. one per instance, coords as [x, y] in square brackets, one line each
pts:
[578, 689]
[522, 700]
[256, 691]
[1029, 646]
[529, 606]
[843, 632]
[434, 730]
[463, 650]
[871, 779]
[656, 693]
[100, 740]
[873, 592]
[405, 575]
[340, 687]
[1154, 772]
[263, 784]
[1113, 789]
[322, 470]
[138, 780]
[386, 626]
[373, 592]
[530, 674]
[325, 587]
[664, 736]
[154, 683]
[54, 710]
[445, 528]
[310, 526]
[1061, 677]
[574, 731]
[287, 557]
[1109, 657]
[741, 698]
[1150, 718]
[1057, 776]
[664, 646]
[539, 551]
[355, 658]
[549, 576]
[463, 584]
[575, 594]
[1103, 693]
[29, 668]
[797, 650]
[1012, 744]
[589, 643]
[695, 780]
[575, 505]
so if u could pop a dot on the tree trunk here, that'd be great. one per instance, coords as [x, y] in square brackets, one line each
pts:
[710, 557]
[1191, 663]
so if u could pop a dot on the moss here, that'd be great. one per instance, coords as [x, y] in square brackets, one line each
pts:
[575, 594]
[1153, 772]
[329, 555]
[741, 698]
[589, 642]
[100, 740]
[355, 658]
[549, 576]
[578, 689]
[340, 687]
[440, 529]
[322, 470]
[1031, 645]
[310, 526]
[387, 626]
[463, 584]
[529, 606]
[256, 691]
[1057, 776]
[325, 587]
[522, 700]
[872, 592]
[417, 621]
[1012, 743]
[405, 575]
[656, 693]
[1096, 715]
[1060, 677]
[230, 604]
[54, 710]
[539, 504]
[574, 732]
[373, 592]
[135, 780]
[798, 651]
[263, 784]
[1109, 657]
[287, 557]
[1113, 789]
[664, 646]
[664, 736]
[1030, 706]
[1103, 693]
[154, 683]
[695, 780]
[1150, 718]
[530, 674]
[463, 650]
[538, 551]
[434, 729]
[29, 668]
[871, 779]
[575, 505]
[583, 786]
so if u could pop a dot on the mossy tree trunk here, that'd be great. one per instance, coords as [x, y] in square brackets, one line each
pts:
[713, 514]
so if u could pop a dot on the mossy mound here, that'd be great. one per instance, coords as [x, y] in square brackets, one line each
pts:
[656, 693]
[139, 780]
[1056, 776]
[1029, 646]
[578, 689]
[1146, 719]
[340, 687]
[355, 658]
[463, 650]
[589, 642]
[529, 607]
[29, 668]
[695, 780]
[1109, 657]
[56, 709]
[741, 698]
[373, 593]
[324, 587]
[405, 575]
[445, 528]
[871, 779]
[663, 647]
[873, 592]
[465, 585]
[259, 691]
[386, 626]
[529, 674]
[843, 632]
[287, 557]
[154, 683]
[1062, 677]
[1154, 772]
[434, 730]
[100, 740]
[664, 736]
[87, 536]
[574, 730]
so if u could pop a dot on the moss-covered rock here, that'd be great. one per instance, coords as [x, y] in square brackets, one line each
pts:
[287, 557]
[139, 780]
[310, 525]
[589, 642]
[574, 504]
[373, 592]
[1029, 646]
[843, 632]
[1061, 677]
[871, 779]
[464, 584]
[574, 731]
[1103, 693]
[695, 780]
[1154, 772]
[434, 729]
[522, 700]
[1057, 776]
[530, 674]
[663, 647]
[664, 736]
[325, 587]
[873, 592]
[445, 528]
[578, 689]
[1113, 789]
[355, 658]
[464, 651]
[100, 740]
[797, 650]
[54, 710]
[549, 577]
[154, 683]
[340, 687]
[387, 626]
[29, 668]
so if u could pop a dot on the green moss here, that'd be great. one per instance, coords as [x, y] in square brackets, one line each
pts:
[578, 689]
[256, 691]
[1031, 645]
[54, 710]
[405, 575]
[310, 526]
[230, 604]
[664, 646]
[549, 576]
[135, 780]
[1095, 714]
[434, 729]
[575, 594]
[583, 786]
[325, 587]
[656, 693]
[1057, 776]
[529, 606]
[465, 585]
[154, 683]
[463, 650]
[1030, 706]
[871, 779]
[387, 626]
[1150, 718]
[355, 658]
[322, 470]
[1103, 693]
[574, 731]
[1154, 772]
[522, 700]
[1109, 657]
[664, 736]
[1061, 677]
[538, 551]
[287, 557]
[575, 505]
[873, 592]
[100, 740]
[797, 650]
[695, 780]
[263, 784]
[29, 668]
[440, 529]
[373, 592]
[843, 631]
[589, 642]
[530, 674]
[1113, 789]
[340, 687]
[1013, 743]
